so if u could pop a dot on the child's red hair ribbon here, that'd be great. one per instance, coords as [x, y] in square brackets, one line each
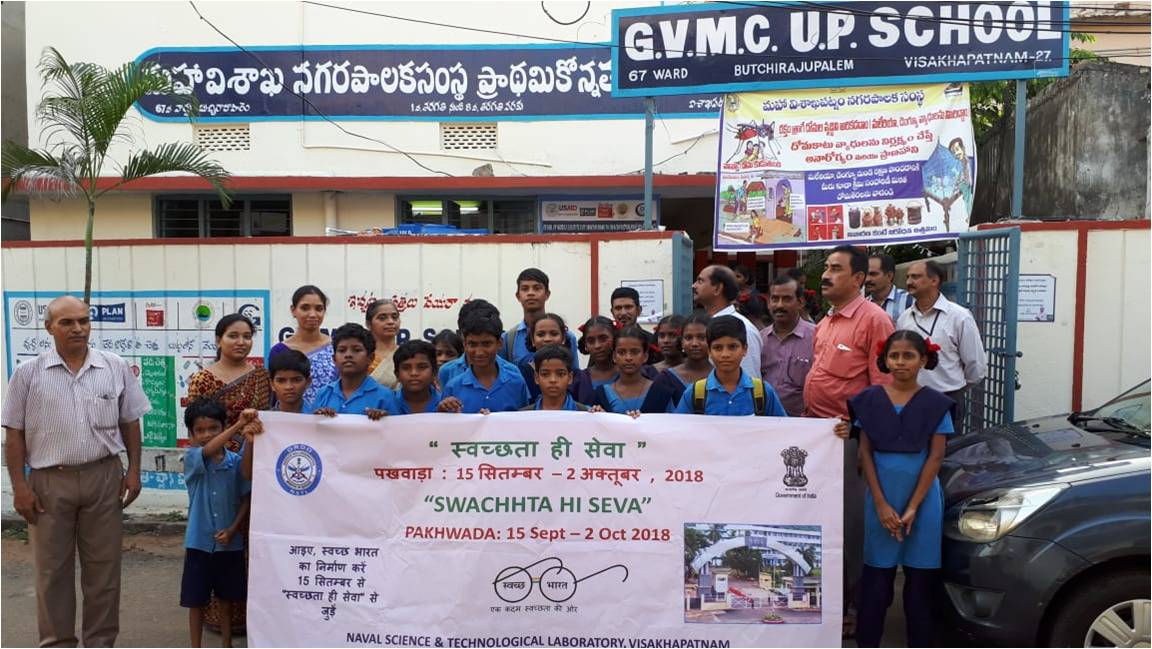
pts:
[880, 345]
[931, 346]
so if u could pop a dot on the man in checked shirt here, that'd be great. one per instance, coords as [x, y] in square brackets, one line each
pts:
[68, 414]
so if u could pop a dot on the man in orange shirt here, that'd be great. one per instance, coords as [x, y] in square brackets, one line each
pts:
[843, 364]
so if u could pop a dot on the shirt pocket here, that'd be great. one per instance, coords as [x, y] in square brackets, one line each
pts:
[847, 363]
[105, 412]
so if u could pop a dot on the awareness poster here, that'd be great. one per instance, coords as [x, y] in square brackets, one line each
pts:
[546, 529]
[868, 166]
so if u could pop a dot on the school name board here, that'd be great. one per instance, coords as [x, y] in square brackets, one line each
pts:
[559, 529]
[401, 82]
[592, 214]
[745, 46]
[166, 337]
[863, 166]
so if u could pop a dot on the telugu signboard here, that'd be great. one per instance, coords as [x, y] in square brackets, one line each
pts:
[402, 82]
[495, 533]
[592, 214]
[166, 337]
[867, 166]
[748, 46]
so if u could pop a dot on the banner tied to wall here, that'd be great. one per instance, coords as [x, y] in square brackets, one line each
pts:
[821, 168]
[555, 529]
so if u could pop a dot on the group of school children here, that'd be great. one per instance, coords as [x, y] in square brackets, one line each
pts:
[533, 366]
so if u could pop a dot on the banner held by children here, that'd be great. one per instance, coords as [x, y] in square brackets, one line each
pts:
[603, 531]
[867, 166]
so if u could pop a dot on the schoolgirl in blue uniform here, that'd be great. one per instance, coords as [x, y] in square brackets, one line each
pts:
[903, 428]
[632, 392]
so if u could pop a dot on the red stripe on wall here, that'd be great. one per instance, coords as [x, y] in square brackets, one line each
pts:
[1078, 326]
[594, 273]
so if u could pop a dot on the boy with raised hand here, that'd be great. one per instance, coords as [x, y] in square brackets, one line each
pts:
[355, 392]
[486, 386]
[217, 508]
[728, 390]
[415, 370]
[532, 292]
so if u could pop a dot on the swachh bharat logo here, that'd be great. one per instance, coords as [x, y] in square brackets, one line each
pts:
[298, 469]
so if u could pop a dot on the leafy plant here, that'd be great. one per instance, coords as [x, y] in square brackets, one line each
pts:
[84, 110]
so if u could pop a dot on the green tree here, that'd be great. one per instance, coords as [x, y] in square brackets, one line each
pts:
[745, 561]
[84, 109]
[694, 542]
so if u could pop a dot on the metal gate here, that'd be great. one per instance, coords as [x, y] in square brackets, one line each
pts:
[987, 283]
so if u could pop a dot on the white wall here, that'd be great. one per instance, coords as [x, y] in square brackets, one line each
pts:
[601, 147]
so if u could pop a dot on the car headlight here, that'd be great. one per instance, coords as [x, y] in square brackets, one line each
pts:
[989, 516]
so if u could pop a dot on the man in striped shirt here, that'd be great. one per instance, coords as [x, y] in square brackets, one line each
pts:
[68, 414]
[881, 289]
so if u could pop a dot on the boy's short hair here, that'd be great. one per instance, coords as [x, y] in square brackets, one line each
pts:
[353, 331]
[205, 407]
[552, 352]
[532, 275]
[413, 348]
[289, 360]
[626, 292]
[478, 306]
[727, 326]
[477, 324]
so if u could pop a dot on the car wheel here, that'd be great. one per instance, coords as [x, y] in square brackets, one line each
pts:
[1110, 612]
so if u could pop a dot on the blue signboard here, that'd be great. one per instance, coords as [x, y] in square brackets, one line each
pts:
[736, 47]
[402, 82]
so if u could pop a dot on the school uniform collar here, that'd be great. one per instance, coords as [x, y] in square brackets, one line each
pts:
[369, 385]
[93, 359]
[501, 378]
[745, 382]
[433, 394]
[569, 403]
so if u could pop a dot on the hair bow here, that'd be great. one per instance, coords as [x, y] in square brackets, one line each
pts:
[618, 325]
[880, 346]
[931, 346]
[809, 292]
[580, 328]
[743, 299]
[653, 348]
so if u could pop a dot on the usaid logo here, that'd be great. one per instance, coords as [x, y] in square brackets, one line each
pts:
[108, 312]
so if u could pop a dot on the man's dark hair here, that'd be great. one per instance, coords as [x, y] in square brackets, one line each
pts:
[935, 269]
[205, 407]
[353, 331]
[532, 275]
[787, 278]
[478, 306]
[798, 275]
[552, 352]
[724, 275]
[289, 360]
[887, 263]
[477, 324]
[626, 292]
[414, 348]
[858, 258]
[727, 325]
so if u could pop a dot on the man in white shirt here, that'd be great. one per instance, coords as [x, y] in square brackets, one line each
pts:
[716, 290]
[963, 361]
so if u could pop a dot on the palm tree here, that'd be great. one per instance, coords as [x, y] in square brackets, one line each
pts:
[84, 111]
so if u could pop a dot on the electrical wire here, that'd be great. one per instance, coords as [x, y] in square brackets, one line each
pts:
[587, 7]
[307, 102]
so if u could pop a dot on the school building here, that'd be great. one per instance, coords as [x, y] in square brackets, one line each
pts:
[340, 122]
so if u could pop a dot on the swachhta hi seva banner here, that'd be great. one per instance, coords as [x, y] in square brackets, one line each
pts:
[546, 529]
[820, 168]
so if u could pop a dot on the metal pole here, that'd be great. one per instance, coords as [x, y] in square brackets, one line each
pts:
[649, 124]
[1018, 150]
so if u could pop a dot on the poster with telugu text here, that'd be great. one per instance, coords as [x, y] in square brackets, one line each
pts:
[558, 529]
[820, 168]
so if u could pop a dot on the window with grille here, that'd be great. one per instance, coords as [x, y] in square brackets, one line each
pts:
[471, 136]
[206, 216]
[234, 137]
[498, 216]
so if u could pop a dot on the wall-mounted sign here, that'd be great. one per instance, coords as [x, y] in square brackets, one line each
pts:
[402, 82]
[747, 46]
[593, 214]
[1036, 301]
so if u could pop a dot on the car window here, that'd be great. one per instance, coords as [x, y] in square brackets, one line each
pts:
[1134, 407]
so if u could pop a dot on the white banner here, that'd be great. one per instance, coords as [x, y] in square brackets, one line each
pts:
[546, 529]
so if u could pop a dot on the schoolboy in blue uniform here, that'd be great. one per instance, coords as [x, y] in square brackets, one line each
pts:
[532, 292]
[290, 375]
[553, 365]
[456, 367]
[354, 393]
[415, 368]
[217, 508]
[728, 390]
[485, 386]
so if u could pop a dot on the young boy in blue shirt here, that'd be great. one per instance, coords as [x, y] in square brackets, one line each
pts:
[290, 375]
[456, 366]
[415, 370]
[485, 386]
[532, 292]
[553, 365]
[354, 393]
[728, 390]
[217, 508]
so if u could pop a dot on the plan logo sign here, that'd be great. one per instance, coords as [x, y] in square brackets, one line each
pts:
[108, 312]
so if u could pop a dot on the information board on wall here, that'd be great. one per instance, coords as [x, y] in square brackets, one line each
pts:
[866, 166]
[603, 531]
[592, 214]
[166, 337]
[1036, 301]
